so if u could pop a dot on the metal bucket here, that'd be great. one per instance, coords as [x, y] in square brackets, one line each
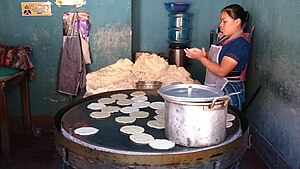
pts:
[195, 114]
[177, 57]
[148, 85]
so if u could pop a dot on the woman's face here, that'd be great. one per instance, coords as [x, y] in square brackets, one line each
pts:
[228, 25]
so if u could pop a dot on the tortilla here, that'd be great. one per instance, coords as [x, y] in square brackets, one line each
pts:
[157, 105]
[96, 106]
[138, 93]
[106, 100]
[141, 104]
[100, 114]
[132, 129]
[139, 114]
[156, 124]
[230, 117]
[160, 111]
[119, 96]
[128, 110]
[141, 138]
[162, 144]
[84, 131]
[228, 124]
[125, 119]
[124, 102]
[160, 118]
[139, 98]
[111, 109]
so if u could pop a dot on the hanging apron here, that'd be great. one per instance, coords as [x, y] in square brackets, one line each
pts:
[72, 68]
[210, 78]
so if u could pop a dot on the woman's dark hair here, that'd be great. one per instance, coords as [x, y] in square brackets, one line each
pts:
[235, 11]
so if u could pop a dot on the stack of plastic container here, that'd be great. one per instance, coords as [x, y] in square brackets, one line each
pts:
[179, 32]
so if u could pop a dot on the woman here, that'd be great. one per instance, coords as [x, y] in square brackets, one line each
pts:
[225, 61]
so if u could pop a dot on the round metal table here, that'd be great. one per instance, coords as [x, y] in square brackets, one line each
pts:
[110, 148]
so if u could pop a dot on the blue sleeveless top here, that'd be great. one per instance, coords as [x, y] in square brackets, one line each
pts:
[238, 49]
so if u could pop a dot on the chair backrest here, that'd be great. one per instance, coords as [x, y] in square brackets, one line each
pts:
[249, 36]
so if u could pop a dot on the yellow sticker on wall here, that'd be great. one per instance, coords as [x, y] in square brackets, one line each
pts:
[36, 8]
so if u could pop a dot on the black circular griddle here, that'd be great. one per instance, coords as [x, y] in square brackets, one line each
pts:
[112, 149]
[110, 139]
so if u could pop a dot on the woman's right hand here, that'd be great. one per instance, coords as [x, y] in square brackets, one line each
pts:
[195, 53]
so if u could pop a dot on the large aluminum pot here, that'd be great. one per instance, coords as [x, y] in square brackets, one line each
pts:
[195, 115]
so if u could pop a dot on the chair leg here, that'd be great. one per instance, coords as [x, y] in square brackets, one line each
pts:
[4, 125]
[26, 104]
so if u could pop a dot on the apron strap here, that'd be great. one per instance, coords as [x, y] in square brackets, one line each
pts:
[234, 73]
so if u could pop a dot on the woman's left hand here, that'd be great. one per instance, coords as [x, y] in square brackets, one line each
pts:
[195, 53]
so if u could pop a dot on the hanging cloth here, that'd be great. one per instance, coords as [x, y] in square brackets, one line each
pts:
[84, 36]
[83, 33]
[72, 67]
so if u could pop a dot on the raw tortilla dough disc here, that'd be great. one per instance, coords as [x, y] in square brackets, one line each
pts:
[161, 144]
[230, 117]
[141, 104]
[156, 124]
[160, 118]
[111, 109]
[141, 138]
[139, 98]
[84, 131]
[106, 100]
[157, 105]
[100, 114]
[96, 106]
[138, 93]
[128, 110]
[160, 111]
[228, 124]
[132, 129]
[124, 102]
[139, 114]
[125, 119]
[119, 96]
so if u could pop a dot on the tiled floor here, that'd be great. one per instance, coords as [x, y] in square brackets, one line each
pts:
[29, 152]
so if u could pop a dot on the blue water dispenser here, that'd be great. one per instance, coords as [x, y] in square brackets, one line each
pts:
[179, 32]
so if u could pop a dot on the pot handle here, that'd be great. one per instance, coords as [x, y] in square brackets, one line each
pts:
[224, 98]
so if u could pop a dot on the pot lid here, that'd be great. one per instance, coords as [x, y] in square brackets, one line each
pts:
[190, 93]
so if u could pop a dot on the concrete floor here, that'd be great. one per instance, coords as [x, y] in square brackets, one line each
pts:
[30, 152]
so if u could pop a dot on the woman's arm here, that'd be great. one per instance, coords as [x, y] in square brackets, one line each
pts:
[226, 66]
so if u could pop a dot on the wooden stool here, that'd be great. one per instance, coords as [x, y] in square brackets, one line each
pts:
[7, 83]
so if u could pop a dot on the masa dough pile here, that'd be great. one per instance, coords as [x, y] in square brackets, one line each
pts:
[124, 74]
